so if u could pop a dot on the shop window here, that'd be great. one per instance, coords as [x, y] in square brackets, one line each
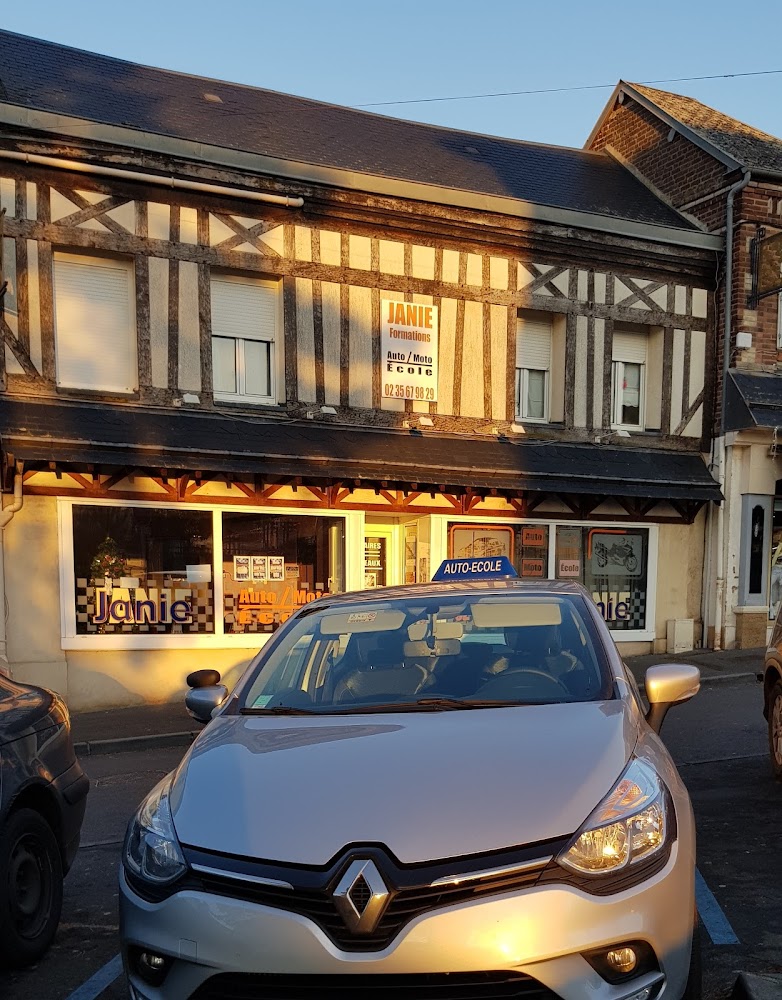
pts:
[142, 570]
[533, 364]
[526, 546]
[245, 339]
[628, 379]
[612, 564]
[94, 322]
[275, 563]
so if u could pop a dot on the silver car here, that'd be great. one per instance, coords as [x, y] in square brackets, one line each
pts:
[445, 790]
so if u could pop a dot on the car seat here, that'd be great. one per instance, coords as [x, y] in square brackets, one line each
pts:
[379, 669]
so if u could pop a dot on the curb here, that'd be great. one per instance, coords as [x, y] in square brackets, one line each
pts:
[154, 741]
[159, 741]
[749, 987]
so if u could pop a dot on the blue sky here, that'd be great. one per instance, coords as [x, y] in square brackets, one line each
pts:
[353, 53]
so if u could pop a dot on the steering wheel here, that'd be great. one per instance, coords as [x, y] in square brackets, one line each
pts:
[510, 680]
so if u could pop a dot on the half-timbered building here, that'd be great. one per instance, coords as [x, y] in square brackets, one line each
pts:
[218, 400]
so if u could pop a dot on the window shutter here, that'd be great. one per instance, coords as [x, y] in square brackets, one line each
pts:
[95, 329]
[629, 347]
[533, 343]
[246, 310]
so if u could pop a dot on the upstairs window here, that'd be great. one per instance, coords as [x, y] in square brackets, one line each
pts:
[245, 322]
[628, 379]
[533, 366]
[95, 323]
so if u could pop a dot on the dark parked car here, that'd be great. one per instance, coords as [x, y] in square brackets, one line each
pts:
[43, 793]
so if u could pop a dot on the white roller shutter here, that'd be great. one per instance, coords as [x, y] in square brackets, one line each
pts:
[243, 309]
[94, 319]
[533, 343]
[629, 347]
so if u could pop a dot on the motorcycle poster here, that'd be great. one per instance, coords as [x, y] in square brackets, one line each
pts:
[616, 554]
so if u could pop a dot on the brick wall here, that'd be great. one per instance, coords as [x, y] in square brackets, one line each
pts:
[757, 205]
[682, 171]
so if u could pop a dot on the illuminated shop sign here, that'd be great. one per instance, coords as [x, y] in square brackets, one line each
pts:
[408, 350]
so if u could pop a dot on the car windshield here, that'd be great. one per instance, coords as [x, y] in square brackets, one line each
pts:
[431, 654]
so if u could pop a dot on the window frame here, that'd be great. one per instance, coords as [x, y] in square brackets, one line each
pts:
[108, 261]
[219, 639]
[522, 390]
[276, 348]
[617, 379]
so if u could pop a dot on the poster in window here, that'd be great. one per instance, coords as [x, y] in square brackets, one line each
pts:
[276, 569]
[479, 541]
[260, 568]
[241, 569]
[615, 552]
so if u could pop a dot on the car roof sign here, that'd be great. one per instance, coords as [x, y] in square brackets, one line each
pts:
[486, 568]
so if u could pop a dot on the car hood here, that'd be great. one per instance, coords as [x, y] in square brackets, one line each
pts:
[426, 785]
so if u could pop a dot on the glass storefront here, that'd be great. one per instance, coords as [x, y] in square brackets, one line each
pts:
[275, 563]
[611, 562]
[142, 570]
[526, 546]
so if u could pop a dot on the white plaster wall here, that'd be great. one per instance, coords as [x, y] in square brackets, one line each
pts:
[111, 678]
[447, 352]
[360, 392]
[330, 295]
[32, 589]
[158, 320]
[189, 336]
[472, 360]
[680, 555]
[305, 330]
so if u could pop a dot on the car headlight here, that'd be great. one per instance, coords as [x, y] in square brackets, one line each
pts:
[630, 825]
[152, 851]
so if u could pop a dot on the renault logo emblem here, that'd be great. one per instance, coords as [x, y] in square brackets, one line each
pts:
[361, 896]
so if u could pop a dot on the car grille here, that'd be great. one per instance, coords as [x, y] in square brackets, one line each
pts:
[437, 986]
[405, 903]
[412, 889]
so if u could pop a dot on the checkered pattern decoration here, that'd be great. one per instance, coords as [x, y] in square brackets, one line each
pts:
[201, 600]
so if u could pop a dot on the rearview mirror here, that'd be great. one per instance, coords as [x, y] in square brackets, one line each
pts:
[669, 684]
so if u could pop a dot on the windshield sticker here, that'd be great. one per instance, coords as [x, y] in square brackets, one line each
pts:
[262, 700]
[362, 616]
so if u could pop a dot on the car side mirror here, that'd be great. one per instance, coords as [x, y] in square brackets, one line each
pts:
[669, 684]
[206, 694]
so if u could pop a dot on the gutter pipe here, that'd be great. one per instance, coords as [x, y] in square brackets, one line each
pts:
[137, 175]
[718, 447]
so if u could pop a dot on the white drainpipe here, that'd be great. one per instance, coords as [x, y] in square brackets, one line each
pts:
[722, 589]
[77, 166]
[6, 516]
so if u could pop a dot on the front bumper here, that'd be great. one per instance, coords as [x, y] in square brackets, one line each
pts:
[541, 931]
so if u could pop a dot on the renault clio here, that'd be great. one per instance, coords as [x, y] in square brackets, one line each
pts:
[440, 790]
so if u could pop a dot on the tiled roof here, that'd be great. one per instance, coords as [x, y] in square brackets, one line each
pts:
[750, 147]
[46, 76]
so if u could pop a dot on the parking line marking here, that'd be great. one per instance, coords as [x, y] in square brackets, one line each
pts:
[96, 984]
[712, 914]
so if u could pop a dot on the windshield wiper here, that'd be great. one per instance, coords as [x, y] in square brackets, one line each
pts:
[423, 705]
